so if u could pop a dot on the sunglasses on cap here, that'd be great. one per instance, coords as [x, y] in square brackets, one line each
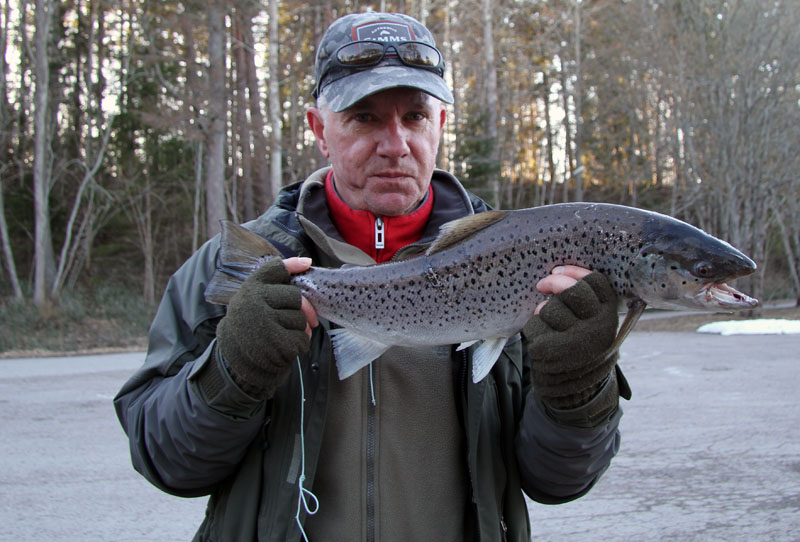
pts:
[366, 53]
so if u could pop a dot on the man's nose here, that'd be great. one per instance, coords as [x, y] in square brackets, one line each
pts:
[394, 140]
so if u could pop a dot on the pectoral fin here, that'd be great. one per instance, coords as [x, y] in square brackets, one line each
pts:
[635, 311]
[353, 351]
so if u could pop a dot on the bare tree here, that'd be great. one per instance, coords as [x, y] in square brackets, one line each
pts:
[577, 173]
[86, 210]
[216, 126]
[42, 154]
[259, 180]
[190, 101]
[276, 149]
[549, 134]
[8, 254]
[737, 112]
[491, 97]
[4, 105]
[240, 50]
[788, 203]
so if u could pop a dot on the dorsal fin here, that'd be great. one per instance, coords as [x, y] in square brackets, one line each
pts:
[461, 229]
[241, 248]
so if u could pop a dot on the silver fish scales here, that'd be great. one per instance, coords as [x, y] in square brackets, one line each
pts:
[476, 282]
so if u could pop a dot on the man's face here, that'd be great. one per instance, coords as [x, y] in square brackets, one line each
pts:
[382, 149]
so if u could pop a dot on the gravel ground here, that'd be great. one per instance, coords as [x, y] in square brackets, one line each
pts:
[710, 448]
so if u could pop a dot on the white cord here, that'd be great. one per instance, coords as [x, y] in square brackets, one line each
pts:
[371, 386]
[302, 497]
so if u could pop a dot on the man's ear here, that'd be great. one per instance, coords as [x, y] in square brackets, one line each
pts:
[442, 117]
[317, 125]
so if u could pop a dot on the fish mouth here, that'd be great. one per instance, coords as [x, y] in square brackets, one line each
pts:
[725, 297]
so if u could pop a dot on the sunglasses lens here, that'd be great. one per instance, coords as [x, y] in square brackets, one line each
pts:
[360, 54]
[419, 54]
[364, 53]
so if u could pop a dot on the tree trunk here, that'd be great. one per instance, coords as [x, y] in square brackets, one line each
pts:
[41, 159]
[577, 173]
[792, 249]
[198, 194]
[190, 100]
[276, 150]
[240, 49]
[548, 127]
[5, 140]
[491, 102]
[148, 249]
[8, 254]
[570, 164]
[260, 182]
[215, 137]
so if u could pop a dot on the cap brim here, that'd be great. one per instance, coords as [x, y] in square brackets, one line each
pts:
[346, 91]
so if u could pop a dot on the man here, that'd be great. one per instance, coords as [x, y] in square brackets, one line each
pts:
[244, 404]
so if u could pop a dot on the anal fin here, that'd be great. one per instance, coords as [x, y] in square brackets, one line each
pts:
[466, 345]
[485, 357]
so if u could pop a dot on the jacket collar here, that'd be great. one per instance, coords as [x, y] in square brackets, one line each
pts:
[452, 201]
[380, 237]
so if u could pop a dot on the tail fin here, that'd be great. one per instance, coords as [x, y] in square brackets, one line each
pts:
[240, 253]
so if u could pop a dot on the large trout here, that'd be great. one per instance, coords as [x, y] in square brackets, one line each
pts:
[476, 282]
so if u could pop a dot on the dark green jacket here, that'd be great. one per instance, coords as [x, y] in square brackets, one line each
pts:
[191, 441]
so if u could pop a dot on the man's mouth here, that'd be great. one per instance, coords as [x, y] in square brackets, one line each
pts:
[391, 174]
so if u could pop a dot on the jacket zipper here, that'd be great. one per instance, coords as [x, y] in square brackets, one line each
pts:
[380, 242]
[464, 384]
[370, 467]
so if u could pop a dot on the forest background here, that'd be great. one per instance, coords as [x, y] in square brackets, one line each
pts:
[128, 128]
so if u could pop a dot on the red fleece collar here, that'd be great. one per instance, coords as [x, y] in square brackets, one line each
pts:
[359, 228]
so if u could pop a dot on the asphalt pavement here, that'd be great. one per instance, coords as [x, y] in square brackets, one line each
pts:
[710, 451]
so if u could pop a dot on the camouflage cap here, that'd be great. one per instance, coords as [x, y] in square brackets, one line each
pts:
[344, 86]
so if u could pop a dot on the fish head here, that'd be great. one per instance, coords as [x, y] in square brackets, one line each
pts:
[681, 266]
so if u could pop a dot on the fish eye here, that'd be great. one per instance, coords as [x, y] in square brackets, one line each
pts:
[702, 270]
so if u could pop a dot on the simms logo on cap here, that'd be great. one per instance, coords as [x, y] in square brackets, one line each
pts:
[384, 31]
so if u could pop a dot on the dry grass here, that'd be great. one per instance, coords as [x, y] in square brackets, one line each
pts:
[106, 318]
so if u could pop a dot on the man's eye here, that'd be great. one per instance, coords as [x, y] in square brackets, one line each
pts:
[362, 117]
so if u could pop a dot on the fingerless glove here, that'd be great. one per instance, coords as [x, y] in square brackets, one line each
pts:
[263, 331]
[569, 342]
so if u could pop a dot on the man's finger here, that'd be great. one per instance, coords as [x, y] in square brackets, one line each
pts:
[573, 271]
[297, 265]
[311, 315]
[555, 284]
[559, 279]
